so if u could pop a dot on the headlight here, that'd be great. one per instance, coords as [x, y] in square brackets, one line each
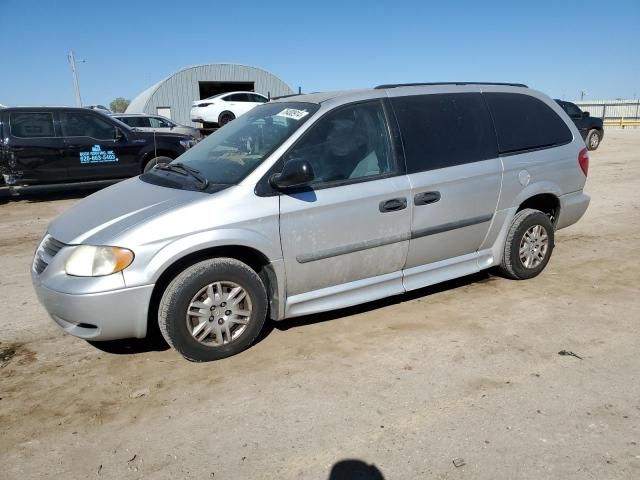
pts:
[187, 144]
[88, 261]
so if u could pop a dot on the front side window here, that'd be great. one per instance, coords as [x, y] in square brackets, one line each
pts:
[31, 125]
[572, 110]
[525, 123]
[157, 122]
[229, 154]
[347, 144]
[85, 124]
[258, 98]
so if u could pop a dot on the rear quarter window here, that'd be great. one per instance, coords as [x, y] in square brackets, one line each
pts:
[525, 123]
[444, 130]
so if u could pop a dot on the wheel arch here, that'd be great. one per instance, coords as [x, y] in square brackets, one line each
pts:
[223, 112]
[252, 257]
[160, 152]
[547, 203]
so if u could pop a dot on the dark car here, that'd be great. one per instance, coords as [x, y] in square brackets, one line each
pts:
[49, 145]
[590, 128]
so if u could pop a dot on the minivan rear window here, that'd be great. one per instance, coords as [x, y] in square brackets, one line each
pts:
[31, 125]
[443, 130]
[525, 123]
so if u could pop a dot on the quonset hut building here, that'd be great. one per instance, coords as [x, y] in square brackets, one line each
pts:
[172, 96]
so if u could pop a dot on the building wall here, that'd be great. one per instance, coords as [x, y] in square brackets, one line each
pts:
[179, 90]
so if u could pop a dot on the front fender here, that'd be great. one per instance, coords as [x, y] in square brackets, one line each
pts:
[155, 265]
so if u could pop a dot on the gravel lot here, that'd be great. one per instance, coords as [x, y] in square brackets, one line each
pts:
[469, 369]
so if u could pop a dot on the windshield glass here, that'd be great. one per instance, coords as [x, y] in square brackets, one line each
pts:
[228, 155]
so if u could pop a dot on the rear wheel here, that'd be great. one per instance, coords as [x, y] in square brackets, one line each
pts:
[593, 140]
[225, 117]
[528, 246]
[155, 161]
[213, 309]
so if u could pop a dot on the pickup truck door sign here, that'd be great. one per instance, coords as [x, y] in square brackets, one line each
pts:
[97, 155]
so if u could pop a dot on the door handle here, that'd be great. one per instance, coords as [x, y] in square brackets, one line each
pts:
[425, 198]
[393, 205]
[74, 145]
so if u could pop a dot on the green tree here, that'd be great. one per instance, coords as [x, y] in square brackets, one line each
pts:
[119, 105]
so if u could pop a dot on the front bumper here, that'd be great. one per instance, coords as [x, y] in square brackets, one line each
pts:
[110, 315]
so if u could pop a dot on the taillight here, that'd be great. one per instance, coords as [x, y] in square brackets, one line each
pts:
[583, 160]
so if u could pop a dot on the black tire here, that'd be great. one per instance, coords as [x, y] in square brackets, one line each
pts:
[225, 117]
[155, 161]
[174, 305]
[512, 265]
[593, 139]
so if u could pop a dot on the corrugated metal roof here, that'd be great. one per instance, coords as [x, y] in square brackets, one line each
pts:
[180, 89]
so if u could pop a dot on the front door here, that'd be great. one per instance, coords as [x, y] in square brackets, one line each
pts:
[345, 238]
[455, 174]
[36, 147]
[96, 148]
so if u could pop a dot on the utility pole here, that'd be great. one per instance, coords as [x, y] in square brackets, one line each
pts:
[582, 94]
[76, 83]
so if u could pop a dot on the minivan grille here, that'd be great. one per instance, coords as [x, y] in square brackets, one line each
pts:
[49, 247]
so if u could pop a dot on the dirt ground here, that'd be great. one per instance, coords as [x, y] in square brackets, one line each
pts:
[469, 369]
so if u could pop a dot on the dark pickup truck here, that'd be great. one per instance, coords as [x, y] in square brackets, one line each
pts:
[61, 145]
[590, 128]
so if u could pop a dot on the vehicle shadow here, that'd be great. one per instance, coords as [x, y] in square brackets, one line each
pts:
[154, 342]
[283, 325]
[130, 346]
[353, 469]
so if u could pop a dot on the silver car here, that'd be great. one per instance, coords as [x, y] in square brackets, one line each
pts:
[313, 203]
[156, 123]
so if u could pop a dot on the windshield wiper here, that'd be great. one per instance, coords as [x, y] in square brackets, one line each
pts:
[182, 169]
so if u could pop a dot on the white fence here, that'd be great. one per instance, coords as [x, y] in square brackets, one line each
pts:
[612, 109]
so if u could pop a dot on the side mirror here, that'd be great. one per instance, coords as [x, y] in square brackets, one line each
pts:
[295, 173]
[117, 134]
[585, 114]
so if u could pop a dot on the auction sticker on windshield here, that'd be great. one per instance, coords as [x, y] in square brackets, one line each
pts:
[293, 113]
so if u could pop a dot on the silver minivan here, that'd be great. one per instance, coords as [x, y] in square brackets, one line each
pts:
[316, 202]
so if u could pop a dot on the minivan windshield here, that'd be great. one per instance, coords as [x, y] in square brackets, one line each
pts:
[228, 155]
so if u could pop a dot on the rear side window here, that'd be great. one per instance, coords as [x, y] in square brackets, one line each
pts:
[31, 125]
[443, 130]
[135, 122]
[525, 123]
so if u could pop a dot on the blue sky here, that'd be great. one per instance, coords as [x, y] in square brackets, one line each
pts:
[559, 47]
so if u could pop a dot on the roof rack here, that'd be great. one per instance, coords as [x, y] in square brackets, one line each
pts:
[285, 96]
[419, 84]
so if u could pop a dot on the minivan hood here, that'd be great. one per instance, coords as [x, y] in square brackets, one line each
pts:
[100, 217]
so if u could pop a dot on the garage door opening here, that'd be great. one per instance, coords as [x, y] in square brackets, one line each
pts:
[209, 89]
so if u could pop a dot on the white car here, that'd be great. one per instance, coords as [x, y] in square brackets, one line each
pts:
[221, 109]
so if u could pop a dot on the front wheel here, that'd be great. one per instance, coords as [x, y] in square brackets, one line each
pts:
[213, 309]
[593, 140]
[528, 246]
